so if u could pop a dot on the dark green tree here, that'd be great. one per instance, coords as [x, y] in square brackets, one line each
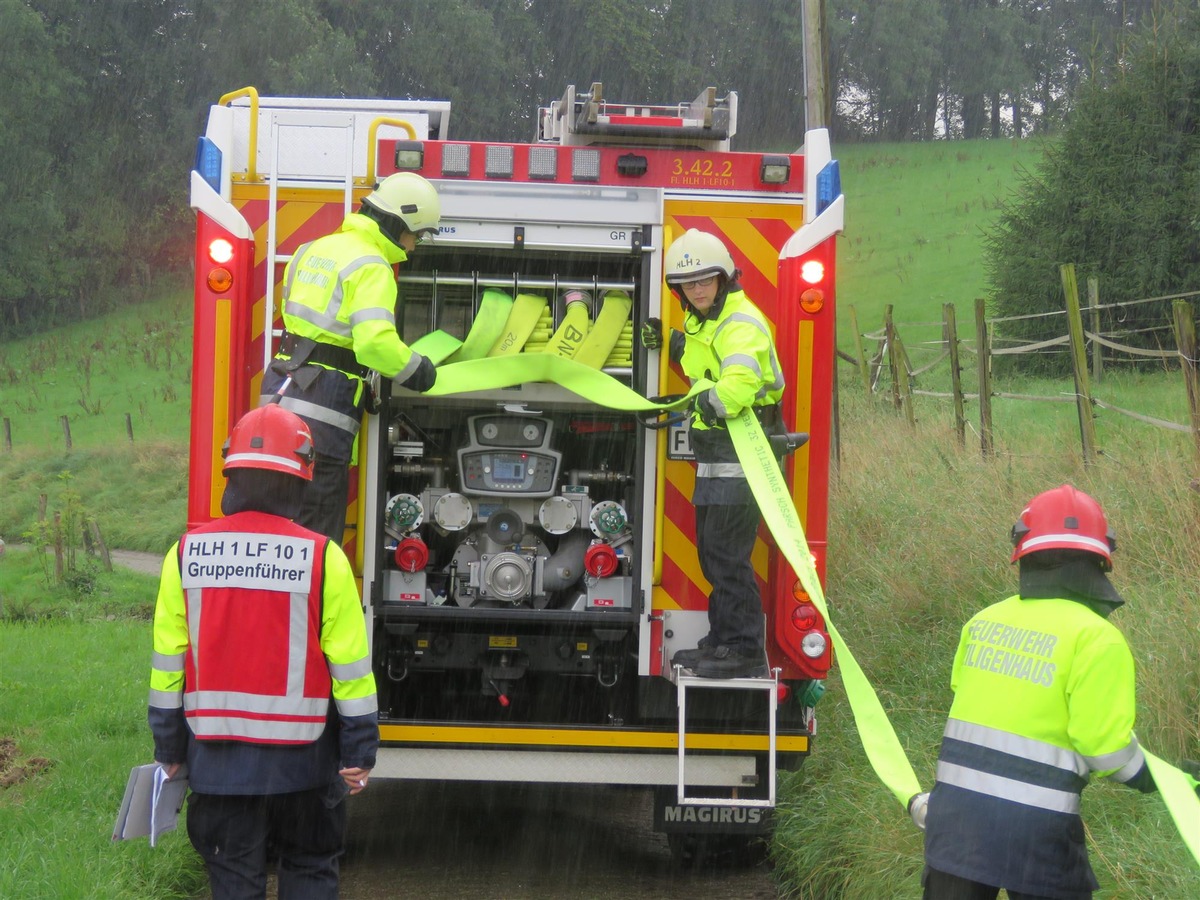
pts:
[32, 217]
[1117, 196]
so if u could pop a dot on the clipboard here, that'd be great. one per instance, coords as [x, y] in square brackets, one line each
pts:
[151, 804]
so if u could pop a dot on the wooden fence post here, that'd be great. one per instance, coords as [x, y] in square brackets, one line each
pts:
[863, 369]
[1097, 347]
[876, 362]
[66, 427]
[129, 426]
[7, 434]
[950, 333]
[1185, 339]
[58, 548]
[93, 528]
[1083, 393]
[984, 346]
[903, 368]
[889, 341]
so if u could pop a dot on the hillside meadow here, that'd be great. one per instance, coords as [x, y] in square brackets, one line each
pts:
[918, 542]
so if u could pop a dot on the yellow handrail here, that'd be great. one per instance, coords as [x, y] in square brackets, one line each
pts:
[382, 120]
[660, 483]
[252, 93]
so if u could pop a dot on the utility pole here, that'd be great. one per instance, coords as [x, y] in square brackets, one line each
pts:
[817, 109]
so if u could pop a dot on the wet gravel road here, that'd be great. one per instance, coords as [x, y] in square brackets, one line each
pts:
[521, 842]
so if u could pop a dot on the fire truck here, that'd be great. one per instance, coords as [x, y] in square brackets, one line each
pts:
[527, 555]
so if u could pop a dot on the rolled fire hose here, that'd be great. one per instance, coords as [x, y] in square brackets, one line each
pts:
[437, 346]
[606, 330]
[494, 309]
[576, 323]
[774, 499]
[522, 318]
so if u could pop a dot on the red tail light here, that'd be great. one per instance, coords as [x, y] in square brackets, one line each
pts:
[804, 617]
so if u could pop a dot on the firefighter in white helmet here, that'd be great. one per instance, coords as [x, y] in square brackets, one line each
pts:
[1043, 700]
[261, 681]
[339, 314]
[727, 340]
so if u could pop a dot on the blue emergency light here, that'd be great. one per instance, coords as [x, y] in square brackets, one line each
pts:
[208, 162]
[829, 185]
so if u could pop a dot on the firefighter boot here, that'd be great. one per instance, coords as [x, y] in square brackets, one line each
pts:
[731, 662]
[688, 658]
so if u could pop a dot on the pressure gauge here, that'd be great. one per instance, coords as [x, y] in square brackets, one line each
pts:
[531, 432]
[489, 431]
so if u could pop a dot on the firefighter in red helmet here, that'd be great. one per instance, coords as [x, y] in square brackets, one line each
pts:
[1043, 699]
[261, 681]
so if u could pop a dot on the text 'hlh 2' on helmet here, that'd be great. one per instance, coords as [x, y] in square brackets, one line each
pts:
[1064, 519]
[696, 255]
[271, 438]
[410, 200]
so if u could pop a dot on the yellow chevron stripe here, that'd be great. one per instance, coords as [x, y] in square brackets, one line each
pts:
[565, 737]
[752, 244]
[682, 552]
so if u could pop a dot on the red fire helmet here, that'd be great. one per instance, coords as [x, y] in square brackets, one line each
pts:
[1067, 519]
[270, 438]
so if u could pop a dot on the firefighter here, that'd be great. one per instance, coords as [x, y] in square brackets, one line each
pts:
[727, 340]
[261, 680]
[1043, 698]
[339, 306]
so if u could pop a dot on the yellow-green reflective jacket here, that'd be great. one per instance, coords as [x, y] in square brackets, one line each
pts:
[341, 290]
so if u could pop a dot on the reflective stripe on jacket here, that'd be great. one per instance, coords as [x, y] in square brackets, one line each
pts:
[252, 633]
[1043, 698]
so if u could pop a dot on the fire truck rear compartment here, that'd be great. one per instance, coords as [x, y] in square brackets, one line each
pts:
[529, 599]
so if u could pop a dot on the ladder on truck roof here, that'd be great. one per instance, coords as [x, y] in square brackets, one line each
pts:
[586, 119]
[770, 686]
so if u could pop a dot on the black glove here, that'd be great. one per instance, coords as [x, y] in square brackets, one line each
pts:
[422, 379]
[651, 334]
[677, 343]
[704, 408]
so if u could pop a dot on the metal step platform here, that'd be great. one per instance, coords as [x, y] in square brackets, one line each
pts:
[770, 686]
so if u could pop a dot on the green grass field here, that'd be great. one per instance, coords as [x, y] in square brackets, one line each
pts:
[915, 215]
[918, 542]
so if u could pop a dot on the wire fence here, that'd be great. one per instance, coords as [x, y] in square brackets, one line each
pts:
[1087, 347]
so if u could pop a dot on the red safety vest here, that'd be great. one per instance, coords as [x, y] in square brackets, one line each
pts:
[254, 670]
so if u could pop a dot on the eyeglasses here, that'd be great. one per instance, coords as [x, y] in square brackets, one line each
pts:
[700, 283]
[425, 235]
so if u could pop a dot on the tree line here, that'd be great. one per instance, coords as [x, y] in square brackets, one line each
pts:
[106, 97]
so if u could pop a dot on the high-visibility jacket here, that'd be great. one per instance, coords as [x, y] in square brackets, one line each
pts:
[734, 349]
[253, 634]
[1043, 699]
[340, 290]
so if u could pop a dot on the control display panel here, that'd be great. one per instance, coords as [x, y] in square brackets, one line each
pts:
[509, 455]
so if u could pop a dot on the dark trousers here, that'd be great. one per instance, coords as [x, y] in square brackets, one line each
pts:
[231, 833]
[944, 886]
[325, 497]
[725, 538]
